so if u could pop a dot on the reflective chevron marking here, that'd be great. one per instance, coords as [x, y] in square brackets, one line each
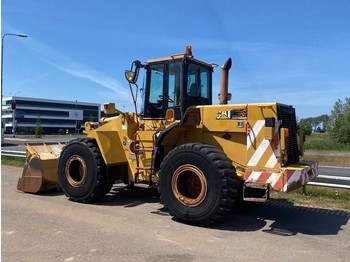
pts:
[254, 176]
[273, 179]
[295, 177]
[259, 153]
[262, 152]
[253, 134]
[272, 161]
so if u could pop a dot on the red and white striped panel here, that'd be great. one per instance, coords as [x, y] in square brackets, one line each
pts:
[297, 178]
[288, 179]
[275, 180]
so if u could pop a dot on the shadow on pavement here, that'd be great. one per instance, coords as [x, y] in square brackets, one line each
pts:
[286, 219]
[121, 195]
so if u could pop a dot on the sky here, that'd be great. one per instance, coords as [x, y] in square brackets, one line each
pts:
[292, 52]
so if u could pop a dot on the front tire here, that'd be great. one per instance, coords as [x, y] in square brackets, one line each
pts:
[82, 171]
[198, 183]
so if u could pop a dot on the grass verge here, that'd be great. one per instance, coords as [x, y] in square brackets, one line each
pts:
[327, 152]
[321, 197]
[330, 160]
[13, 161]
[324, 142]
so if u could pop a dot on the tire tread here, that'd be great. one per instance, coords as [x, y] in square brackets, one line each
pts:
[226, 172]
[101, 187]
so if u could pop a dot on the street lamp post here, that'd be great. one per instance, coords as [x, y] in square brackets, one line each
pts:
[76, 114]
[2, 67]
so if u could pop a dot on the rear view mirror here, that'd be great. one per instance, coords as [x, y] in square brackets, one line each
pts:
[132, 74]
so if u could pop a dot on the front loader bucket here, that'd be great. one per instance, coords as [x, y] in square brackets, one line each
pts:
[40, 170]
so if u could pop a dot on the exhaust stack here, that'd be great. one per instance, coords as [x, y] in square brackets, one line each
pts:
[224, 95]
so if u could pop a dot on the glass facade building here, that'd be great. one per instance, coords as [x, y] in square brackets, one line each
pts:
[54, 116]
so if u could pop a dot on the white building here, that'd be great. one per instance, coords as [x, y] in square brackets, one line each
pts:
[55, 116]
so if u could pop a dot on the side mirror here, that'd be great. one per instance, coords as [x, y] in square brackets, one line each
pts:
[132, 74]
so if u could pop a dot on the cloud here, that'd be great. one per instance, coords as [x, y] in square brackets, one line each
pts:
[93, 76]
[73, 68]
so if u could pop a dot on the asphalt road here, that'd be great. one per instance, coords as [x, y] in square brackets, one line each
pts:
[130, 225]
[339, 171]
[333, 172]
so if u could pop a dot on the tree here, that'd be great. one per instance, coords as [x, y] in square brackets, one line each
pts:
[91, 118]
[321, 122]
[314, 124]
[38, 128]
[307, 125]
[338, 124]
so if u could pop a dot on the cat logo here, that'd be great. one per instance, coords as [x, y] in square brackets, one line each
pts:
[239, 113]
[223, 115]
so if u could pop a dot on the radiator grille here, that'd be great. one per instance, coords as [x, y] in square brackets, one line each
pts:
[287, 114]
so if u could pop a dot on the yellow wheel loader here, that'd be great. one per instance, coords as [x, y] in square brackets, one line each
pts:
[202, 157]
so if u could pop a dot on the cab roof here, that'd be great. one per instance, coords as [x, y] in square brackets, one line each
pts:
[176, 57]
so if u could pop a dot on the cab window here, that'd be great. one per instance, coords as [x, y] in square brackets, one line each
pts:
[156, 84]
[198, 85]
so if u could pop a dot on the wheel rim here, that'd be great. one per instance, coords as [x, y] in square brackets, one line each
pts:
[76, 171]
[189, 185]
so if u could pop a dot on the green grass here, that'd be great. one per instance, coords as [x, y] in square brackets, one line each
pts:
[323, 141]
[327, 160]
[12, 161]
[331, 198]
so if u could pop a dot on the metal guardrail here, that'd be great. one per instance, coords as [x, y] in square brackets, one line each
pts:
[340, 178]
[325, 184]
[13, 153]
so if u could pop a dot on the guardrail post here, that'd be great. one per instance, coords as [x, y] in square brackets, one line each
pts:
[304, 189]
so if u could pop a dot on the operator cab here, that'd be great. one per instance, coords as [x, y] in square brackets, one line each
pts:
[175, 82]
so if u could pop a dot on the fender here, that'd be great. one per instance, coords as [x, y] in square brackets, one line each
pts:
[158, 150]
[192, 117]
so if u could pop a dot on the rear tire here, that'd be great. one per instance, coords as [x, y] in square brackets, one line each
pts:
[82, 171]
[198, 183]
